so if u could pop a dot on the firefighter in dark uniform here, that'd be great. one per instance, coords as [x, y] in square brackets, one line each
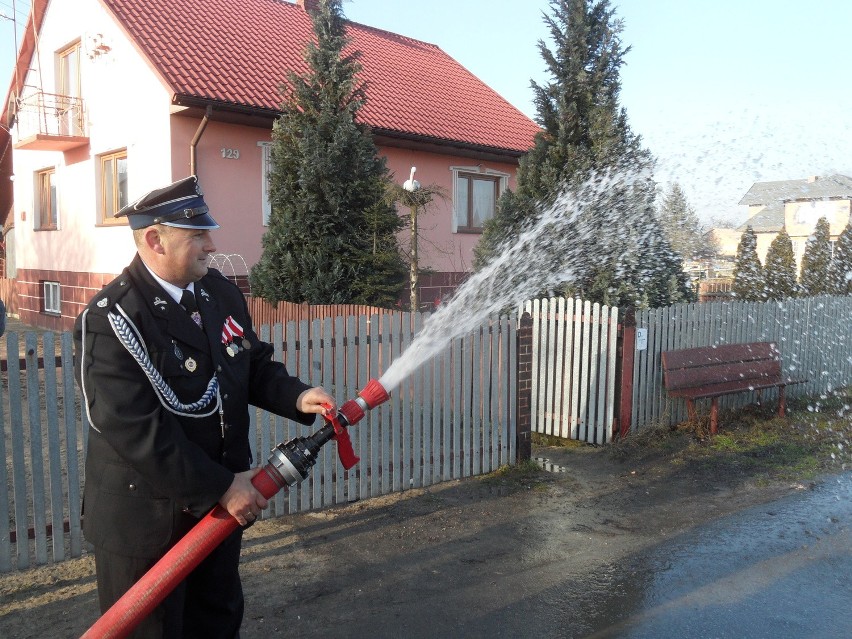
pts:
[167, 387]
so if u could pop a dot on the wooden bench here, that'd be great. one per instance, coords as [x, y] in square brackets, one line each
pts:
[714, 371]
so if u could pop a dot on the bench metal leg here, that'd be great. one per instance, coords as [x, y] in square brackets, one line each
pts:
[690, 409]
[714, 415]
[782, 402]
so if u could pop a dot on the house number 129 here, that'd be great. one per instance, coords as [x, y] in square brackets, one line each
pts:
[230, 154]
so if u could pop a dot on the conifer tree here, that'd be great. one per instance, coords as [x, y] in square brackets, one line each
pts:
[816, 262]
[749, 284]
[840, 273]
[585, 135]
[681, 225]
[332, 232]
[780, 268]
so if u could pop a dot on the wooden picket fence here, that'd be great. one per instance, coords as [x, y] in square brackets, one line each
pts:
[453, 417]
[574, 368]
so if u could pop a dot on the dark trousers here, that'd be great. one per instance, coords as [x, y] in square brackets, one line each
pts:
[207, 604]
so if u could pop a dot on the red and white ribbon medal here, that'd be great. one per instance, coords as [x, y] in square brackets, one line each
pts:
[231, 332]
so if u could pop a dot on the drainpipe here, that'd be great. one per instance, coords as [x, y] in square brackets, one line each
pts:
[196, 138]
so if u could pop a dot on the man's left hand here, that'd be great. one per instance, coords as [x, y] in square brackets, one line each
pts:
[316, 400]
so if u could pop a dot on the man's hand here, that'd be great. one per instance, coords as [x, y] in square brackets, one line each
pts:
[316, 400]
[242, 500]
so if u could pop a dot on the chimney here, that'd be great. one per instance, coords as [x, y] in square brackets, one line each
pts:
[811, 178]
[309, 6]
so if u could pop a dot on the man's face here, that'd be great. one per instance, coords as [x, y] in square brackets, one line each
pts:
[185, 254]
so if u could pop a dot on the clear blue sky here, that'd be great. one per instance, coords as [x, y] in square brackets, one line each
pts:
[724, 93]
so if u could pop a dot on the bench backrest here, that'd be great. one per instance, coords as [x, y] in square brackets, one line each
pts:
[692, 367]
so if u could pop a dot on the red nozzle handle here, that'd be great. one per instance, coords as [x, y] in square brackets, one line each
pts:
[345, 452]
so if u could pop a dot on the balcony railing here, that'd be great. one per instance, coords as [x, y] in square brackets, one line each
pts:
[51, 122]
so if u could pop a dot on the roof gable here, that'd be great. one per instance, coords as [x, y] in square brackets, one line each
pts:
[239, 52]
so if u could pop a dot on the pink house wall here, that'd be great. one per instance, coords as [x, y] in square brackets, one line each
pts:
[229, 165]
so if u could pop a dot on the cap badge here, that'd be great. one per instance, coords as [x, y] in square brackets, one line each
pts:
[190, 364]
[103, 303]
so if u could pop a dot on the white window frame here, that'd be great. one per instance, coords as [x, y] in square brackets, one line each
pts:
[51, 297]
[503, 184]
[265, 167]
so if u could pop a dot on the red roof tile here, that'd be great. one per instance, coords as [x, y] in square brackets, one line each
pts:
[239, 52]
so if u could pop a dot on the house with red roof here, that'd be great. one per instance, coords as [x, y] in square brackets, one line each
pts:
[112, 98]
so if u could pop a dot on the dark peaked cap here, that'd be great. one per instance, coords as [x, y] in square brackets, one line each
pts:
[179, 204]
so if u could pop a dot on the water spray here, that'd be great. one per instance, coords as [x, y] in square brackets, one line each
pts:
[289, 464]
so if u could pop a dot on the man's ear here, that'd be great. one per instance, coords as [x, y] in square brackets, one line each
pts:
[154, 239]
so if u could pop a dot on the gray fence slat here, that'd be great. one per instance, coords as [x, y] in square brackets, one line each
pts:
[5, 487]
[384, 411]
[416, 429]
[36, 448]
[486, 417]
[511, 417]
[19, 471]
[447, 417]
[278, 428]
[54, 448]
[72, 453]
[475, 380]
[425, 401]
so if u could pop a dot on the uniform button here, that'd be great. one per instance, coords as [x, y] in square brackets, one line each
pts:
[219, 368]
[225, 454]
[225, 396]
[132, 487]
[227, 427]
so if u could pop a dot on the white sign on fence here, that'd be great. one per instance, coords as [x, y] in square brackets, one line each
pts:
[641, 339]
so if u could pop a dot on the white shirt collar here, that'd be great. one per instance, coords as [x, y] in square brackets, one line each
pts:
[175, 292]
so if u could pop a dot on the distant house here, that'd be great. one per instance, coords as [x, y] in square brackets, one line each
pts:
[797, 205]
[111, 98]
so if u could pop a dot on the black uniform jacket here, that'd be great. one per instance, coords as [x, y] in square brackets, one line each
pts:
[150, 472]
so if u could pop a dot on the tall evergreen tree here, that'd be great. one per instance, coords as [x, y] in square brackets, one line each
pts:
[681, 225]
[332, 232]
[816, 262]
[780, 268]
[749, 284]
[840, 273]
[586, 135]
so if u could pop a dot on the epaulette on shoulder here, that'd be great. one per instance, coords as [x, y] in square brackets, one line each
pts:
[109, 295]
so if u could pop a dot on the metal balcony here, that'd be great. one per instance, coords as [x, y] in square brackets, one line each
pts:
[50, 122]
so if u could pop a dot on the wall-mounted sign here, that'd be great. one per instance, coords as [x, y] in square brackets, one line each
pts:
[641, 339]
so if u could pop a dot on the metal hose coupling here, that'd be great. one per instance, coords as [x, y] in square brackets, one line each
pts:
[291, 462]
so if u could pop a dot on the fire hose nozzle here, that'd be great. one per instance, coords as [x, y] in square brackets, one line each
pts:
[352, 412]
[371, 395]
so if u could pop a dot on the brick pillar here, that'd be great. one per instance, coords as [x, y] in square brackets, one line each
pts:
[524, 391]
[624, 374]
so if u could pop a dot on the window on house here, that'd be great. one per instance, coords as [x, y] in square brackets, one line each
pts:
[68, 88]
[45, 200]
[51, 301]
[265, 167]
[475, 196]
[113, 187]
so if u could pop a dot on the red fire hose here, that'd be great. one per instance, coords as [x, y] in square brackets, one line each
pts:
[289, 464]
